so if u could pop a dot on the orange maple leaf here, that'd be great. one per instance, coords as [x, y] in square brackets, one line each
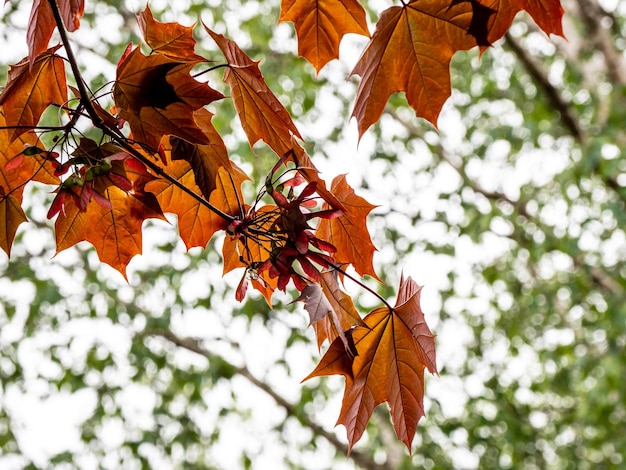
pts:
[262, 115]
[348, 232]
[171, 39]
[548, 14]
[13, 180]
[31, 168]
[157, 96]
[114, 228]
[410, 51]
[392, 351]
[11, 216]
[196, 222]
[320, 26]
[31, 88]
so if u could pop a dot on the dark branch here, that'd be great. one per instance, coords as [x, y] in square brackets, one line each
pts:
[555, 99]
[193, 345]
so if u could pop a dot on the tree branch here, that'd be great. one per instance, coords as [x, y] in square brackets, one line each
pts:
[599, 277]
[194, 345]
[592, 15]
[570, 120]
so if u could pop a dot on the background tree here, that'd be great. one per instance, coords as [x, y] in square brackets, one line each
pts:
[514, 223]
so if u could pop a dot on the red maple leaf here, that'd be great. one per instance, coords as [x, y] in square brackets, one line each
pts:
[393, 351]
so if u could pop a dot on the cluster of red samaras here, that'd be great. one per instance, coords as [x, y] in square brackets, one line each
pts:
[161, 154]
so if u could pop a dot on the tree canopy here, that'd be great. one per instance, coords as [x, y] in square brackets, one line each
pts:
[510, 213]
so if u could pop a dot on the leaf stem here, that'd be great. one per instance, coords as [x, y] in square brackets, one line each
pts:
[360, 283]
[210, 69]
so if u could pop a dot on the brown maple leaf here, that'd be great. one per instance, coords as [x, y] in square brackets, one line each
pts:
[31, 88]
[40, 28]
[71, 12]
[320, 26]
[157, 96]
[262, 115]
[348, 232]
[171, 39]
[392, 354]
[410, 51]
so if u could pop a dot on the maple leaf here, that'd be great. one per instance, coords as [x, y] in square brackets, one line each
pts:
[320, 26]
[157, 96]
[11, 216]
[40, 28]
[13, 178]
[262, 115]
[344, 317]
[205, 160]
[315, 303]
[171, 39]
[71, 12]
[196, 222]
[548, 14]
[348, 232]
[112, 223]
[392, 354]
[41, 23]
[410, 51]
[31, 168]
[31, 88]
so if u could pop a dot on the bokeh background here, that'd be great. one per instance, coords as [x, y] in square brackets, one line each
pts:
[512, 215]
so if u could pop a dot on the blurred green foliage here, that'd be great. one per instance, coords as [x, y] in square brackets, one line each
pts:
[515, 225]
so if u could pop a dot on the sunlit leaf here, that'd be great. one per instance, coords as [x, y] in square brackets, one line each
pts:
[410, 51]
[348, 232]
[114, 229]
[321, 25]
[171, 39]
[262, 115]
[196, 222]
[30, 89]
[392, 351]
